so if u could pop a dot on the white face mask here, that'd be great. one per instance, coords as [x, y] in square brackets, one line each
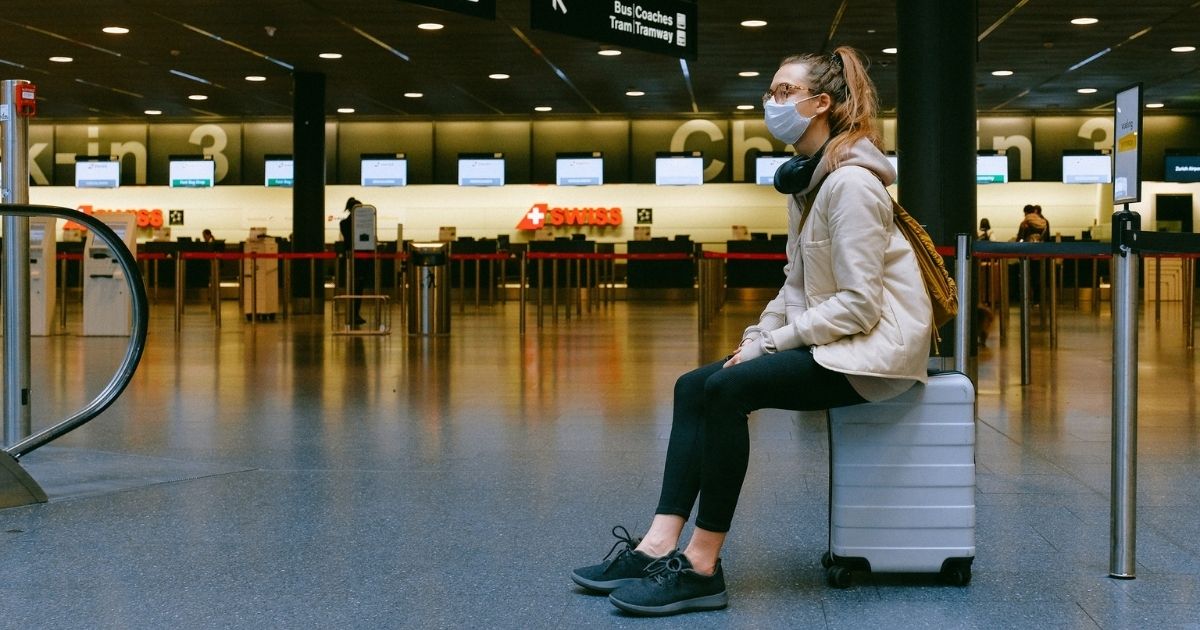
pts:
[784, 121]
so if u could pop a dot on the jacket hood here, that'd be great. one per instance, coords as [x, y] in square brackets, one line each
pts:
[862, 153]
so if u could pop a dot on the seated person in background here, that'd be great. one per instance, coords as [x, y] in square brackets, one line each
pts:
[207, 236]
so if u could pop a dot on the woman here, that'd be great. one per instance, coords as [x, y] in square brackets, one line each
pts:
[851, 324]
[985, 230]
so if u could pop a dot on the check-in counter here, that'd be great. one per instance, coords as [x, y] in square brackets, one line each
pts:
[661, 274]
[755, 274]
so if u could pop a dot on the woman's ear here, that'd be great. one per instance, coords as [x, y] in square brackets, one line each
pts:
[824, 103]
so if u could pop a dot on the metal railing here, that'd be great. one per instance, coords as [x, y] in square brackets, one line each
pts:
[138, 328]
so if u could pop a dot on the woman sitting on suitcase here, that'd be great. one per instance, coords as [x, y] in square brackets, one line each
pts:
[851, 323]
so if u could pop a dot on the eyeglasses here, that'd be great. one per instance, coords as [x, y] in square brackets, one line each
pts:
[782, 92]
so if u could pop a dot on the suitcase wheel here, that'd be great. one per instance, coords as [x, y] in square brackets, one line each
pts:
[826, 560]
[838, 576]
[957, 573]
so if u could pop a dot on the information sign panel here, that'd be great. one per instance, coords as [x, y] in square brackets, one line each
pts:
[1127, 154]
[665, 27]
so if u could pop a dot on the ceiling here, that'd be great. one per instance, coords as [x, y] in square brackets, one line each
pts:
[176, 48]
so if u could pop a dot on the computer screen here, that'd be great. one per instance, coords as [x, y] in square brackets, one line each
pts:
[766, 165]
[1086, 169]
[104, 172]
[384, 169]
[192, 172]
[481, 170]
[279, 171]
[1181, 166]
[677, 170]
[579, 169]
[991, 169]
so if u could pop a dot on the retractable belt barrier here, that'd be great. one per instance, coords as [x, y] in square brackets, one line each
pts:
[491, 259]
[1129, 242]
[599, 272]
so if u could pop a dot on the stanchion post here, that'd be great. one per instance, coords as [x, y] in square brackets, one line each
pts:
[1053, 264]
[521, 289]
[962, 323]
[1025, 351]
[180, 275]
[1123, 522]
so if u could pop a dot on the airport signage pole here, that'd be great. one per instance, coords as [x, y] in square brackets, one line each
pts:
[665, 27]
[1127, 188]
[17, 103]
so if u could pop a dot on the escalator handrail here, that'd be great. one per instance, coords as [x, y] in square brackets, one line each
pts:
[137, 336]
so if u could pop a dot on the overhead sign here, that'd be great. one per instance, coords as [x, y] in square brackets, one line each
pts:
[478, 8]
[665, 27]
[1127, 154]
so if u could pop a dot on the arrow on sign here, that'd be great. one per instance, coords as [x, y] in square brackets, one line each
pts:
[558, 4]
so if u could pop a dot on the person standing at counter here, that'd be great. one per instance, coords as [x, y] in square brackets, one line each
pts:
[851, 324]
[360, 268]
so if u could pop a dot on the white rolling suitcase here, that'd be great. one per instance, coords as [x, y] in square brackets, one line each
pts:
[902, 483]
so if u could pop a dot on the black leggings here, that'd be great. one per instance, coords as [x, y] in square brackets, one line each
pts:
[710, 438]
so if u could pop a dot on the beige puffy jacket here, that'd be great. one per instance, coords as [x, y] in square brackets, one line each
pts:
[853, 291]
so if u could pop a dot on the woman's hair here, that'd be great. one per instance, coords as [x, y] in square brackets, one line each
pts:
[843, 76]
[351, 202]
[984, 224]
[1030, 209]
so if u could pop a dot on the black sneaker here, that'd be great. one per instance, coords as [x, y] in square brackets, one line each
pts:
[627, 567]
[672, 587]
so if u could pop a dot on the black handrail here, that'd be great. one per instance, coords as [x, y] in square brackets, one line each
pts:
[137, 335]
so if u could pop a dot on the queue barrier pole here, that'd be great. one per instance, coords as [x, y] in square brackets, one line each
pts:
[1123, 521]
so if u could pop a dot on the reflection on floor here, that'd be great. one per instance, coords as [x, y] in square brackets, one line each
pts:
[273, 475]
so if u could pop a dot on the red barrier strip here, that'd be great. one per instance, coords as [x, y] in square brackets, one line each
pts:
[991, 256]
[68, 256]
[500, 256]
[746, 256]
[155, 256]
[570, 256]
[380, 255]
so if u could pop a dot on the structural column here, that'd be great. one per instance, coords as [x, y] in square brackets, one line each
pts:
[308, 185]
[935, 119]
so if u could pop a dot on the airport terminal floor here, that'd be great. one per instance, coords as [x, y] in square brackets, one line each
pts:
[277, 476]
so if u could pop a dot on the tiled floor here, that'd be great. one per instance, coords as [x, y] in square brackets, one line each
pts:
[277, 476]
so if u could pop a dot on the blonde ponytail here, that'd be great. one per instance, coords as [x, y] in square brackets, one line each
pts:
[843, 76]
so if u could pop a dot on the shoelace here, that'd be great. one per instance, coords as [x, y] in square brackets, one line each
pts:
[665, 569]
[630, 543]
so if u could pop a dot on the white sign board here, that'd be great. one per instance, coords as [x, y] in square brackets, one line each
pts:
[1127, 152]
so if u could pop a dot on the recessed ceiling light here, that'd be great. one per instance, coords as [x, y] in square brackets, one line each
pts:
[542, 108]
[197, 97]
[754, 23]
[745, 107]
[1086, 90]
[115, 30]
[1155, 105]
[1084, 21]
[1002, 73]
[499, 76]
[1183, 49]
[430, 26]
[608, 52]
[256, 78]
[345, 110]
[748, 73]
[889, 51]
[153, 112]
[62, 59]
[635, 93]
[413, 95]
[330, 55]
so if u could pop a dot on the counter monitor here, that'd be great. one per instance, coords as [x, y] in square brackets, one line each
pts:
[765, 166]
[1092, 168]
[674, 169]
[97, 172]
[189, 171]
[384, 169]
[1181, 165]
[279, 170]
[579, 169]
[991, 169]
[486, 169]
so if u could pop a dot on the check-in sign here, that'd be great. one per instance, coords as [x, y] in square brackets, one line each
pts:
[665, 27]
[477, 8]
